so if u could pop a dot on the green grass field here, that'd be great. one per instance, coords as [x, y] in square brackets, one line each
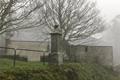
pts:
[8, 63]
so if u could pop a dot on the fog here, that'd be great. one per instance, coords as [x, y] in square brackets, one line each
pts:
[112, 36]
[109, 8]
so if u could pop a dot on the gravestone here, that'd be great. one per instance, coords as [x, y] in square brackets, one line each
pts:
[56, 55]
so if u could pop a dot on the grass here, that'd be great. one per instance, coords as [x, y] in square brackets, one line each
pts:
[8, 63]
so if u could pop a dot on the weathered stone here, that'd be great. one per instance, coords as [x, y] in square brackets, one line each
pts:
[56, 55]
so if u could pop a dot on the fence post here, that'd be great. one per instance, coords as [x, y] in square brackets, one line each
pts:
[14, 60]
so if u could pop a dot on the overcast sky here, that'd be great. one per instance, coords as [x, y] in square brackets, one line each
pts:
[109, 8]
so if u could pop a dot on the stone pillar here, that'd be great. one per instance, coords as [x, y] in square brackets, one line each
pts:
[56, 55]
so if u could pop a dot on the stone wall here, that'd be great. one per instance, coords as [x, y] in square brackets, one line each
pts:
[99, 54]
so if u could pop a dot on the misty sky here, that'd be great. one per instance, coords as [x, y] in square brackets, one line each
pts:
[109, 8]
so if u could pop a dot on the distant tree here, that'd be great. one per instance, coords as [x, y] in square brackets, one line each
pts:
[17, 14]
[78, 19]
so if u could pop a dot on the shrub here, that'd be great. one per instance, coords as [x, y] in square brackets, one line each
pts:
[63, 72]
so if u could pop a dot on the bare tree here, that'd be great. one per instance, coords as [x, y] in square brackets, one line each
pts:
[18, 14]
[78, 19]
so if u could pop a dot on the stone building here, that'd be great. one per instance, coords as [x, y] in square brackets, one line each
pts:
[29, 39]
[32, 50]
[94, 50]
[98, 54]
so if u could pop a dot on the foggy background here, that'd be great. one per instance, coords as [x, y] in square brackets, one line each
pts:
[109, 10]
